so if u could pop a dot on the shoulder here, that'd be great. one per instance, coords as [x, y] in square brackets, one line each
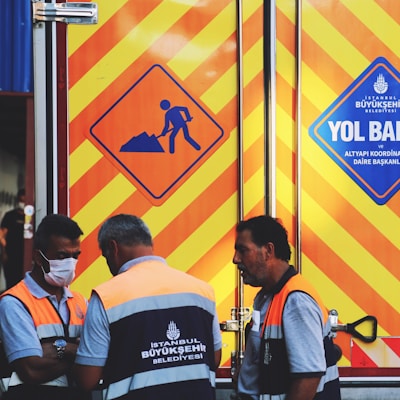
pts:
[19, 292]
[8, 300]
[198, 285]
[11, 305]
[6, 219]
[301, 306]
[298, 299]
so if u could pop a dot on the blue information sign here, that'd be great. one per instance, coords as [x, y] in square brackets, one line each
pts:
[360, 131]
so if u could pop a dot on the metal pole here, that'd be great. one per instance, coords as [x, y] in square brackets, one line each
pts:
[240, 338]
[39, 71]
[270, 85]
[54, 114]
[298, 133]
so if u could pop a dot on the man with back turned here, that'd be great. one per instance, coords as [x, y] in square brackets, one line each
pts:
[151, 331]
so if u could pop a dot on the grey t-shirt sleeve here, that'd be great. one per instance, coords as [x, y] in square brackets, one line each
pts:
[95, 338]
[17, 330]
[303, 330]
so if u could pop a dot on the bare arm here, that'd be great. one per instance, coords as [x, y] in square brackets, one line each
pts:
[217, 358]
[3, 234]
[37, 370]
[303, 389]
[87, 376]
[3, 242]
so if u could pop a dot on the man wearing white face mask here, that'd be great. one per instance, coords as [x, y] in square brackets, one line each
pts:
[41, 319]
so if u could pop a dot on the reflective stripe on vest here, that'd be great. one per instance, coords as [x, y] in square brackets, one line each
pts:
[162, 377]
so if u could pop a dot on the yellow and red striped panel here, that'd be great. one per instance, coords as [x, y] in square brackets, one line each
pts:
[196, 42]
[350, 245]
[383, 353]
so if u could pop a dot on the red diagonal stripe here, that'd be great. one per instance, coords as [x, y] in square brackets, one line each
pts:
[393, 343]
[359, 359]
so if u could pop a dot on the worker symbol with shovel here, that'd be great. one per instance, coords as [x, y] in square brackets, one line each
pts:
[176, 118]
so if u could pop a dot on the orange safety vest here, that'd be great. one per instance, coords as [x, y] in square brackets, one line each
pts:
[45, 317]
[274, 372]
[49, 325]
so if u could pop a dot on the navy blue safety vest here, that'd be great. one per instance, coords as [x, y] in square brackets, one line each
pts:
[162, 343]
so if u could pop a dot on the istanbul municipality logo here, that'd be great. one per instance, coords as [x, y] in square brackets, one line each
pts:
[175, 349]
[360, 131]
[381, 86]
[173, 332]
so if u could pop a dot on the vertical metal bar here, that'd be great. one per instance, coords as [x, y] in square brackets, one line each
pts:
[62, 120]
[298, 134]
[270, 85]
[239, 23]
[39, 72]
[54, 108]
[29, 174]
[240, 106]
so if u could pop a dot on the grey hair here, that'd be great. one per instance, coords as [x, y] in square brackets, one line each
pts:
[125, 229]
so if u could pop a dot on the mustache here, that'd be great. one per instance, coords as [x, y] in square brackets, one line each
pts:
[241, 267]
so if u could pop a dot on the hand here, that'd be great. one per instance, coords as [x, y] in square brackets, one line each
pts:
[49, 351]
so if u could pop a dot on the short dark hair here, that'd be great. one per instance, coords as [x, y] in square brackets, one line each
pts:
[125, 229]
[21, 192]
[266, 229]
[55, 225]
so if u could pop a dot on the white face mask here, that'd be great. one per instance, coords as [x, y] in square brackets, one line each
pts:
[21, 205]
[62, 272]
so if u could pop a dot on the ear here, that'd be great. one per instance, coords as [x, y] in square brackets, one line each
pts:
[37, 258]
[113, 246]
[269, 250]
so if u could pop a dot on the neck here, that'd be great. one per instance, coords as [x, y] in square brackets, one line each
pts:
[278, 270]
[38, 276]
[128, 253]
